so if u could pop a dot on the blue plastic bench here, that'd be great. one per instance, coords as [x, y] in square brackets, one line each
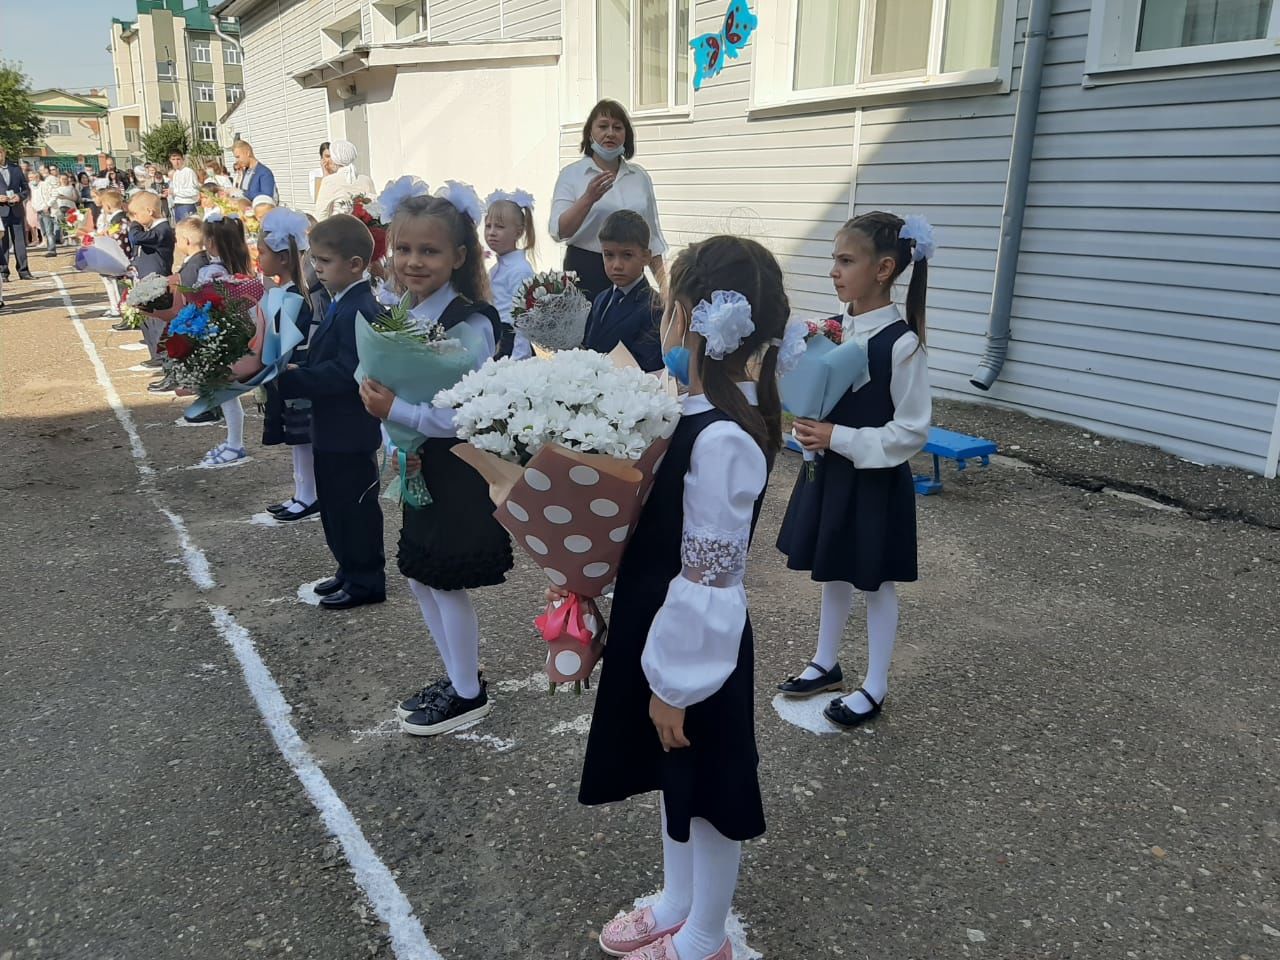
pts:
[959, 447]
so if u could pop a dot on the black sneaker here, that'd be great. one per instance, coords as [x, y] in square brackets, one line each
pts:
[422, 699]
[163, 385]
[447, 711]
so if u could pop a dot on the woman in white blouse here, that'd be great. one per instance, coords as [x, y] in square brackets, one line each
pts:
[675, 708]
[338, 188]
[590, 189]
[316, 176]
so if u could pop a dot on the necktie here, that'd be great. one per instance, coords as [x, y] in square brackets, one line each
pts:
[613, 301]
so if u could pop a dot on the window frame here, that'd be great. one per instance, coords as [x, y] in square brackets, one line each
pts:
[671, 109]
[50, 131]
[213, 129]
[201, 46]
[234, 93]
[388, 11]
[232, 55]
[776, 55]
[170, 115]
[1112, 47]
[203, 87]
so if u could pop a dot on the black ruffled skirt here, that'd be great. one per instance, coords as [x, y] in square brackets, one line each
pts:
[716, 777]
[850, 524]
[453, 543]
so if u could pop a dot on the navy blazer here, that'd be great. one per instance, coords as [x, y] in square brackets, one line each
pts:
[153, 249]
[189, 272]
[326, 377]
[633, 321]
[17, 184]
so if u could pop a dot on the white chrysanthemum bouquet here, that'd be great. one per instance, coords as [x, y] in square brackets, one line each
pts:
[569, 445]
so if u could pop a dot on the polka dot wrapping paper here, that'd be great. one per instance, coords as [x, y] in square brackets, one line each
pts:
[571, 512]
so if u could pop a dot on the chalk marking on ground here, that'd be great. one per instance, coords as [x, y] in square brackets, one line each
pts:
[264, 519]
[387, 728]
[579, 724]
[536, 681]
[307, 594]
[805, 714]
[132, 345]
[734, 928]
[372, 875]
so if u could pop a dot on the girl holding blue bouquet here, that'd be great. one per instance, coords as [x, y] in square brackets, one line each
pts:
[451, 544]
[851, 522]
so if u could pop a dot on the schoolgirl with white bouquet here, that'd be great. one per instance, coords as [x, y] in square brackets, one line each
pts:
[449, 540]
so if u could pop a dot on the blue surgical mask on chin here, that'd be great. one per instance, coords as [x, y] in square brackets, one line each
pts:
[608, 154]
[676, 360]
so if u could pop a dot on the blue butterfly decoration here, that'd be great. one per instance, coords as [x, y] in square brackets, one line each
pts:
[711, 49]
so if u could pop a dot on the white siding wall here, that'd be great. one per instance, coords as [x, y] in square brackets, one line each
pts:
[493, 19]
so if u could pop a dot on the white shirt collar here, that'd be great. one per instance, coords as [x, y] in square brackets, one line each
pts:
[872, 322]
[698, 403]
[432, 308]
[343, 292]
[511, 259]
[591, 169]
[631, 286]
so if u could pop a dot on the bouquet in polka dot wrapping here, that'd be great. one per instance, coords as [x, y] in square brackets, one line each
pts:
[569, 447]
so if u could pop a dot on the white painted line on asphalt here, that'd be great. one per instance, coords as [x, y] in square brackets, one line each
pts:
[408, 940]
[123, 346]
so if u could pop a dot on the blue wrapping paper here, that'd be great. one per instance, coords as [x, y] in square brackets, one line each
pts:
[824, 374]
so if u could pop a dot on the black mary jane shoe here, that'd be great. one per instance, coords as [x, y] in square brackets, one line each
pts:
[842, 716]
[832, 679]
[277, 507]
[289, 516]
[326, 587]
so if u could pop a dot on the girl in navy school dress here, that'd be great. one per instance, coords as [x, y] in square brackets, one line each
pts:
[281, 243]
[452, 544]
[675, 709]
[853, 525]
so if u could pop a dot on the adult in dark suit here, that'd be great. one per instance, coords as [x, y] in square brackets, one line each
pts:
[628, 312]
[344, 436]
[14, 194]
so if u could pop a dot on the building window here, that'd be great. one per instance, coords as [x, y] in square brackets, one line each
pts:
[408, 19]
[130, 135]
[642, 53]
[200, 52]
[348, 38]
[209, 132]
[57, 128]
[235, 92]
[165, 70]
[168, 110]
[1129, 34]
[231, 54]
[204, 92]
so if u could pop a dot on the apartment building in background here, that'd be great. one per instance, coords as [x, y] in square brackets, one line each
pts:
[174, 61]
[75, 125]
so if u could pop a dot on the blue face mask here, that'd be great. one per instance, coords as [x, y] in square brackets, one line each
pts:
[608, 154]
[676, 360]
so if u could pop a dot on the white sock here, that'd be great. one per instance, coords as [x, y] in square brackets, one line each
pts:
[677, 878]
[431, 616]
[113, 294]
[234, 415]
[462, 637]
[304, 475]
[715, 877]
[837, 604]
[882, 630]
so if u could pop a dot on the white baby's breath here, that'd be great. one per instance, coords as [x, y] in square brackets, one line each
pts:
[149, 288]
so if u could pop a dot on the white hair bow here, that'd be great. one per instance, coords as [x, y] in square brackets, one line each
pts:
[216, 215]
[724, 322]
[918, 230]
[397, 192]
[281, 224]
[464, 198]
[521, 198]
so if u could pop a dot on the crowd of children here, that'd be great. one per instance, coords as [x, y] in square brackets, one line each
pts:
[675, 707]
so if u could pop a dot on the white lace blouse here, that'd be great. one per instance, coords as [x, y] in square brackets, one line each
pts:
[423, 417]
[692, 645]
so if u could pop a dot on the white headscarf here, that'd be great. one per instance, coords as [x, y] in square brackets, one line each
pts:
[343, 153]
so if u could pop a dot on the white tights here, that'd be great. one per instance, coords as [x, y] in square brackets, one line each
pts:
[451, 619]
[699, 878]
[113, 293]
[304, 475]
[882, 631]
[233, 413]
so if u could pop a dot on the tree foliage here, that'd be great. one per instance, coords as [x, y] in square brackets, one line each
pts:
[20, 124]
[162, 139]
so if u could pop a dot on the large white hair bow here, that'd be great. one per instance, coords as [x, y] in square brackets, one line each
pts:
[724, 322]
[464, 198]
[521, 198]
[397, 192]
[792, 347]
[281, 224]
[920, 231]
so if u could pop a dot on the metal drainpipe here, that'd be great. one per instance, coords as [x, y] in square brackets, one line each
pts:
[1015, 194]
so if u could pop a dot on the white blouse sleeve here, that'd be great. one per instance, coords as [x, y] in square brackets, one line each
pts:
[566, 194]
[693, 641]
[906, 434]
[431, 421]
[657, 242]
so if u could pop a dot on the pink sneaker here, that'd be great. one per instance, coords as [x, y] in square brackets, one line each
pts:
[665, 949]
[626, 934]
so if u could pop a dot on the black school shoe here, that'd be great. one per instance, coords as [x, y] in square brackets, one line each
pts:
[832, 679]
[288, 516]
[209, 416]
[842, 716]
[447, 711]
[345, 600]
[326, 587]
[422, 699]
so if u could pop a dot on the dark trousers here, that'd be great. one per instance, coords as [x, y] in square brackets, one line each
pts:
[152, 334]
[183, 210]
[15, 235]
[347, 484]
[589, 267]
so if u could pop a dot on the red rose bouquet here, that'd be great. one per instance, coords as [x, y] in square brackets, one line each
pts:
[365, 209]
[211, 342]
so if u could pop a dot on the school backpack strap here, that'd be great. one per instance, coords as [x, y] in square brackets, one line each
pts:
[461, 308]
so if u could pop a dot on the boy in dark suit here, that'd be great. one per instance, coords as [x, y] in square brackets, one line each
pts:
[344, 436]
[628, 312]
[152, 240]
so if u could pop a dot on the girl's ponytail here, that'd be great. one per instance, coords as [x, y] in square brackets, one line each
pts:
[917, 293]
[295, 266]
